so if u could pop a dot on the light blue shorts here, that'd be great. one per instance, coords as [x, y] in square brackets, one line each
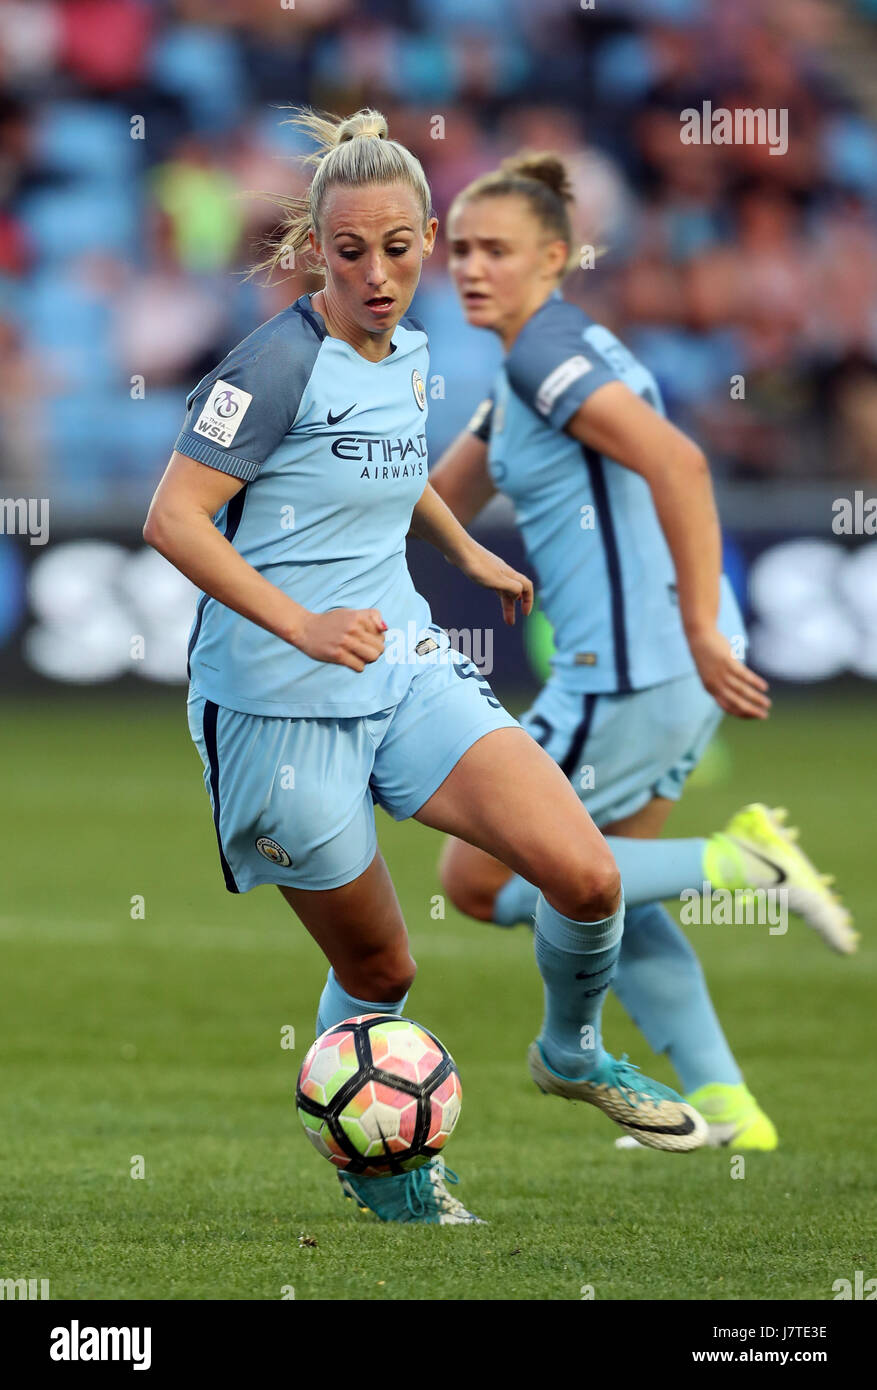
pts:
[620, 751]
[293, 799]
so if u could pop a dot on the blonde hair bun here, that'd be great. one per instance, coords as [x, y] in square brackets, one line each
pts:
[364, 123]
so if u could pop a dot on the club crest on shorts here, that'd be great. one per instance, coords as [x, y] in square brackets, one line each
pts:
[269, 849]
[419, 389]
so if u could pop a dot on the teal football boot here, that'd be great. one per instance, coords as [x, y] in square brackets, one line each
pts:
[419, 1197]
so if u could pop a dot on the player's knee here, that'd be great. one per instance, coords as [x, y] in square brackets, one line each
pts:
[590, 888]
[385, 978]
[465, 893]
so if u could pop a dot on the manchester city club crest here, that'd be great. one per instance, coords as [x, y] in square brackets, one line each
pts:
[269, 849]
[419, 389]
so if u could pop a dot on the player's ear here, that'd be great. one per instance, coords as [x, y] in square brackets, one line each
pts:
[429, 237]
[556, 256]
[316, 247]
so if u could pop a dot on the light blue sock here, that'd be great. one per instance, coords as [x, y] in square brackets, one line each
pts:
[576, 961]
[650, 871]
[661, 985]
[515, 902]
[336, 1005]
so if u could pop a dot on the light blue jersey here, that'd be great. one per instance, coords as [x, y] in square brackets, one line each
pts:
[332, 451]
[604, 571]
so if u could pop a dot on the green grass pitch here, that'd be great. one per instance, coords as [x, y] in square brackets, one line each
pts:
[160, 1037]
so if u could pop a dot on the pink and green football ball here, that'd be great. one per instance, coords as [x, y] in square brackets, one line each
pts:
[378, 1095]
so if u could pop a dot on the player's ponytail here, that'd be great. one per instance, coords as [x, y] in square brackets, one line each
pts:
[353, 152]
[543, 180]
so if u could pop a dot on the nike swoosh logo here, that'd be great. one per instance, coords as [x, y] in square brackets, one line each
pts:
[589, 975]
[686, 1127]
[333, 419]
[777, 868]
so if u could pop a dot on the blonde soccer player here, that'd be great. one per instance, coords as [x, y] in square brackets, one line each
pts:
[299, 472]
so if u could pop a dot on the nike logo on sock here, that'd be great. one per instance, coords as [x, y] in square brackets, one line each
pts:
[589, 974]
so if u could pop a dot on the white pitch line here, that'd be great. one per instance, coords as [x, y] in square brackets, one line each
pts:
[198, 937]
[137, 934]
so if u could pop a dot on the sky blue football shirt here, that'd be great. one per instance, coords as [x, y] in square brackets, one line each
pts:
[332, 451]
[605, 576]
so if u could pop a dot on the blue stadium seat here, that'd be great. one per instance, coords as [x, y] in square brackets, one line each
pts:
[850, 153]
[144, 432]
[204, 69]
[624, 69]
[86, 141]
[689, 366]
[65, 222]
[82, 450]
[71, 324]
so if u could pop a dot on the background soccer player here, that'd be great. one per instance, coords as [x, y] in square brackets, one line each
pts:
[643, 619]
[299, 471]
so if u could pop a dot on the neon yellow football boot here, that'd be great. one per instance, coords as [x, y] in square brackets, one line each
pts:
[757, 850]
[734, 1119]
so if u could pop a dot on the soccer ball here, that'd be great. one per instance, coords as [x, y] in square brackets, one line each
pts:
[378, 1094]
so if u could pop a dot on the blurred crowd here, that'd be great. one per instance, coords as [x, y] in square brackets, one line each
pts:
[135, 138]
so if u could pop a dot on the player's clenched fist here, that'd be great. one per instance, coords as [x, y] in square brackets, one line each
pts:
[351, 637]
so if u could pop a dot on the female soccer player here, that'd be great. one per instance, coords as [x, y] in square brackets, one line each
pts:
[616, 512]
[299, 471]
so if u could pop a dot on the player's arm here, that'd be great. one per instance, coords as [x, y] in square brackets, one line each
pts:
[614, 421]
[461, 478]
[180, 527]
[432, 520]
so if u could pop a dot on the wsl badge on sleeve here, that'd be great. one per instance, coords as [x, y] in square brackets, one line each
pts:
[419, 389]
[223, 412]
